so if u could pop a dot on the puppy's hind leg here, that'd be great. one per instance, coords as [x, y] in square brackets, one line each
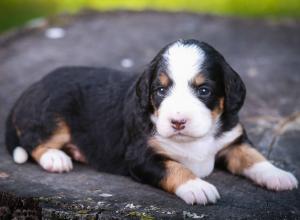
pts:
[49, 153]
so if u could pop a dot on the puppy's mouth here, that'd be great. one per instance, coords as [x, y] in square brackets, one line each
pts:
[181, 137]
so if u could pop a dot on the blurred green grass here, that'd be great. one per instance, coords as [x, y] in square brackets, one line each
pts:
[17, 12]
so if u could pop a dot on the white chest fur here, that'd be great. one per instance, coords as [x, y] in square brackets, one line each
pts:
[198, 155]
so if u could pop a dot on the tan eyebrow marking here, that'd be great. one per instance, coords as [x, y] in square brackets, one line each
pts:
[164, 79]
[199, 79]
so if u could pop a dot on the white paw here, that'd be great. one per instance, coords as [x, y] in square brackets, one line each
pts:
[271, 177]
[197, 191]
[20, 155]
[54, 160]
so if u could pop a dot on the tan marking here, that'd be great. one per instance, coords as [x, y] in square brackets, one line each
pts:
[199, 79]
[13, 119]
[59, 138]
[218, 110]
[75, 153]
[155, 145]
[221, 104]
[176, 175]
[164, 79]
[38, 152]
[241, 157]
[156, 111]
[18, 131]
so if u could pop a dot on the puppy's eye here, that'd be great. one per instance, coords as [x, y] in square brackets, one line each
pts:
[161, 91]
[203, 91]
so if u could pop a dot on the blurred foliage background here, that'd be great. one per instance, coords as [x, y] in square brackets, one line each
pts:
[16, 12]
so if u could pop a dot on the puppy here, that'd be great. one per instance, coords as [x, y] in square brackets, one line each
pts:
[165, 127]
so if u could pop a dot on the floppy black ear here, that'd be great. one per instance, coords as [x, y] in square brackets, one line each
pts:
[140, 111]
[143, 86]
[235, 90]
[143, 90]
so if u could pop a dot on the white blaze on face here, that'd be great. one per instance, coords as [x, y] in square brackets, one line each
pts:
[183, 64]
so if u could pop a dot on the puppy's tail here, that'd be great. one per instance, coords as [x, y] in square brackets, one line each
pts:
[12, 143]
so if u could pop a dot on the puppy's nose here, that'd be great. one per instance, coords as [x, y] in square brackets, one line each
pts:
[178, 124]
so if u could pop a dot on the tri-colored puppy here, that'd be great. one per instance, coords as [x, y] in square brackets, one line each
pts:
[166, 127]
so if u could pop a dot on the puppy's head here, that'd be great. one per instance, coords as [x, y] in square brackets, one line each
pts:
[186, 89]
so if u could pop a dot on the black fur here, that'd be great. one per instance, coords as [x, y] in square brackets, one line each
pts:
[108, 112]
[11, 137]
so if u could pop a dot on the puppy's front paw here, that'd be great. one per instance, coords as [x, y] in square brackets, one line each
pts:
[54, 160]
[197, 191]
[271, 177]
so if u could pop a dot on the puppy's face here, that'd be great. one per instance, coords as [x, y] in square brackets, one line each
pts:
[188, 90]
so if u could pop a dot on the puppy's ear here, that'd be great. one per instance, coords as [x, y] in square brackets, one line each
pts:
[235, 90]
[143, 90]
[143, 86]
[141, 97]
